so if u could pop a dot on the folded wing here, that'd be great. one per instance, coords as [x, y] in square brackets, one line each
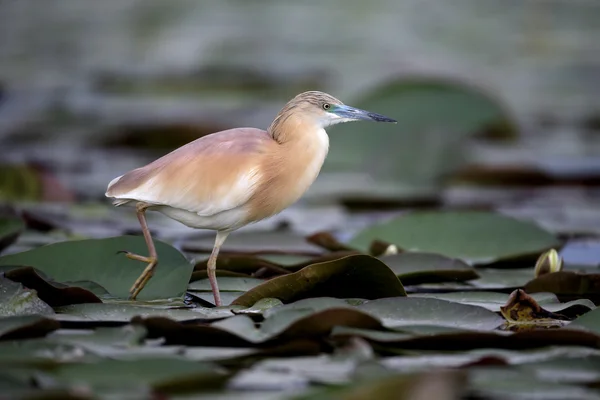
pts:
[212, 174]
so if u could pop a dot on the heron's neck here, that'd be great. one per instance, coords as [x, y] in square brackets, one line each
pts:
[288, 128]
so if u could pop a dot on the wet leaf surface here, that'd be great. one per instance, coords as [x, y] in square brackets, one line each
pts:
[17, 300]
[98, 260]
[358, 276]
[473, 236]
[399, 311]
[125, 312]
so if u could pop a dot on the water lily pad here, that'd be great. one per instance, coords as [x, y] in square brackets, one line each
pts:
[10, 229]
[567, 284]
[125, 312]
[415, 268]
[502, 278]
[399, 311]
[256, 243]
[359, 276]
[240, 265]
[207, 299]
[493, 301]
[16, 300]
[163, 374]
[226, 284]
[53, 293]
[306, 319]
[476, 237]
[425, 362]
[428, 110]
[98, 260]
[26, 326]
[589, 321]
[466, 339]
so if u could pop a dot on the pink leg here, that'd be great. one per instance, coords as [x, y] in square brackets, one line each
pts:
[152, 260]
[212, 266]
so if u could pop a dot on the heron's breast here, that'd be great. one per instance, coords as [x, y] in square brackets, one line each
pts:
[289, 174]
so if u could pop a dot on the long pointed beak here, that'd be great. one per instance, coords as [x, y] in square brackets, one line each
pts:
[345, 111]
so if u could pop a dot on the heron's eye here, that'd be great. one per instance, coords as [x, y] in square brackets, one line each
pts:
[326, 106]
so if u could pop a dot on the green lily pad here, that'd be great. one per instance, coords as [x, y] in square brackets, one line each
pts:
[16, 300]
[355, 276]
[98, 260]
[125, 312]
[256, 243]
[226, 284]
[399, 311]
[589, 321]
[428, 110]
[415, 268]
[206, 298]
[305, 319]
[493, 301]
[162, 374]
[426, 361]
[261, 306]
[502, 278]
[467, 339]
[511, 383]
[10, 229]
[476, 237]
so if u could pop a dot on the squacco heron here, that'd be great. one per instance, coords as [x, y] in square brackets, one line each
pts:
[229, 179]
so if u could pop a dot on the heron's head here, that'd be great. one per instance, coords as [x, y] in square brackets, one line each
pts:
[326, 110]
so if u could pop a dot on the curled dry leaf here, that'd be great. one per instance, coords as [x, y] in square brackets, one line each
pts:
[327, 241]
[522, 309]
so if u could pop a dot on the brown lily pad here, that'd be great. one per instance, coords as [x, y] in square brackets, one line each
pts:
[26, 327]
[567, 285]
[354, 276]
[53, 293]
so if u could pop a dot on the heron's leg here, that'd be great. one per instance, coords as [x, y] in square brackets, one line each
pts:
[212, 266]
[152, 259]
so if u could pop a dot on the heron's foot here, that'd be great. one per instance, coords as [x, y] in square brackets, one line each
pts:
[143, 279]
[137, 257]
